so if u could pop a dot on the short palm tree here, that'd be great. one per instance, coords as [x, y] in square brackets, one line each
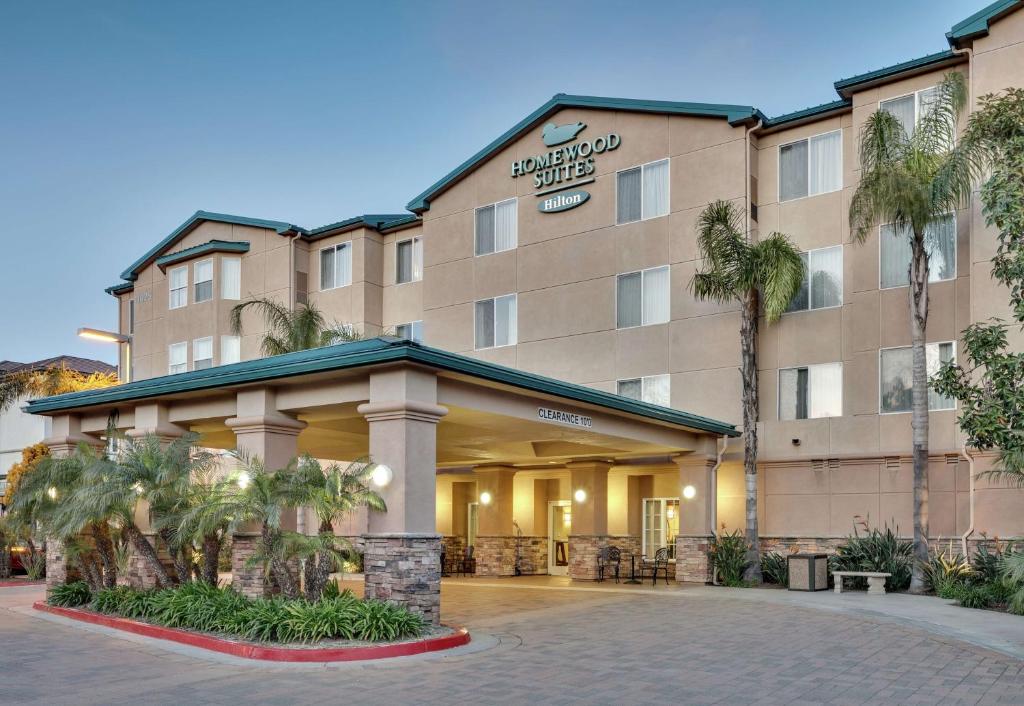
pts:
[761, 276]
[910, 181]
[293, 330]
[46, 382]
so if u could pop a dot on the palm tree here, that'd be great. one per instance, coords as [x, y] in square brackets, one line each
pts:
[910, 181]
[763, 275]
[289, 331]
[49, 381]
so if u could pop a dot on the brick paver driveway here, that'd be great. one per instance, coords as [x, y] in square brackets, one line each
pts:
[554, 647]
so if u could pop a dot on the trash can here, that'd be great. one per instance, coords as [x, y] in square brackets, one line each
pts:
[808, 572]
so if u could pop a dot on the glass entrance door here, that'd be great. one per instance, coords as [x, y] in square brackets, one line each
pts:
[559, 528]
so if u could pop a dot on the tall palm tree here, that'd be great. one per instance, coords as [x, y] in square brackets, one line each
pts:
[910, 181]
[763, 275]
[289, 331]
[49, 381]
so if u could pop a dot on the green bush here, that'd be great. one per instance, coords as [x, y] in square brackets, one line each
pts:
[974, 596]
[728, 556]
[197, 606]
[775, 568]
[70, 595]
[948, 587]
[944, 567]
[986, 563]
[877, 550]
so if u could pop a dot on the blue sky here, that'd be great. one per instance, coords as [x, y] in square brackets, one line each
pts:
[118, 120]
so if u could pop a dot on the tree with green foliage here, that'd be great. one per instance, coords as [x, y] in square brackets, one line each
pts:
[290, 330]
[910, 180]
[49, 381]
[762, 276]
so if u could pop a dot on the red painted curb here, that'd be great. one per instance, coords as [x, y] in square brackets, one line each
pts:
[249, 650]
[20, 582]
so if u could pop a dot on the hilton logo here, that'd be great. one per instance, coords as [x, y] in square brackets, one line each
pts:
[563, 201]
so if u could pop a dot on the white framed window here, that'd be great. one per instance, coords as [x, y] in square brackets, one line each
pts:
[231, 278]
[177, 280]
[202, 276]
[910, 108]
[336, 266]
[409, 260]
[202, 353]
[655, 389]
[177, 358]
[131, 316]
[660, 525]
[642, 298]
[811, 391]
[895, 377]
[894, 252]
[822, 287]
[642, 192]
[412, 330]
[230, 349]
[495, 322]
[496, 227]
[811, 166]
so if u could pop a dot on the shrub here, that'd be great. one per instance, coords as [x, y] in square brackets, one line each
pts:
[974, 596]
[70, 595]
[987, 563]
[945, 567]
[947, 587]
[728, 556]
[877, 550]
[775, 568]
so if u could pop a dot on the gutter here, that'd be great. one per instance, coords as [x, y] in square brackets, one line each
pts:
[722, 443]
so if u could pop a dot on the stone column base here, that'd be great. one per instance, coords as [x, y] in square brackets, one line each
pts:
[405, 569]
[250, 581]
[692, 565]
[140, 574]
[533, 555]
[583, 555]
[58, 569]
[495, 555]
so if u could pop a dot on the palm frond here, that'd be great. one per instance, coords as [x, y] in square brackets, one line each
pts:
[780, 273]
[276, 315]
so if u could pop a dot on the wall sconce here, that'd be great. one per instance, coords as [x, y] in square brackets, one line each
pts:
[381, 475]
[485, 498]
[689, 492]
[580, 495]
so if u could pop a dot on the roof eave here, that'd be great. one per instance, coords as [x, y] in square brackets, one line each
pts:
[978, 24]
[848, 86]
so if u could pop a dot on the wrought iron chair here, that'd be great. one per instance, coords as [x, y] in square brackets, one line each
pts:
[467, 564]
[653, 566]
[608, 559]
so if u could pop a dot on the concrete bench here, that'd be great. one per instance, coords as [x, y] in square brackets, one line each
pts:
[876, 580]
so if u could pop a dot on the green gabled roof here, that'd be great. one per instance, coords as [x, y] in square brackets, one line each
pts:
[377, 221]
[814, 111]
[188, 226]
[196, 250]
[120, 288]
[844, 85]
[735, 114]
[374, 351]
[977, 24]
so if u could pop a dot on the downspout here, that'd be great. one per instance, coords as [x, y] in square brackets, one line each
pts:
[721, 445]
[970, 496]
[746, 176]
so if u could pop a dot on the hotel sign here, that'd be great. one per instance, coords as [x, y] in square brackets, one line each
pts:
[563, 201]
[570, 418]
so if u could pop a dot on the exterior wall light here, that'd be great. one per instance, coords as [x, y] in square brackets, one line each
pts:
[243, 480]
[580, 495]
[381, 475]
[52, 492]
[485, 498]
[689, 492]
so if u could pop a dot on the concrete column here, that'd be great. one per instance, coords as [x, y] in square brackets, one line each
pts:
[264, 432]
[696, 516]
[495, 550]
[402, 560]
[589, 516]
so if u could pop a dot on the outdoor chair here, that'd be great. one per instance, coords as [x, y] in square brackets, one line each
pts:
[652, 567]
[467, 563]
[608, 560]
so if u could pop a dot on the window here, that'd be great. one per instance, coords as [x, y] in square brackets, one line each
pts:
[811, 391]
[896, 377]
[202, 353]
[131, 316]
[178, 279]
[412, 330]
[812, 166]
[823, 280]
[202, 275]
[641, 192]
[655, 389]
[910, 108]
[177, 358]
[661, 525]
[642, 298]
[336, 266]
[230, 349]
[496, 228]
[496, 322]
[894, 252]
[409, 261]
[231, 278]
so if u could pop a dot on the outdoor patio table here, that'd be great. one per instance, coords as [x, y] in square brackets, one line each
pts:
[632, 569]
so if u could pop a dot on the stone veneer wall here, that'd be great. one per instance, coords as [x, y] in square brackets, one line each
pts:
[58, 571]
[829, 545]
[533, 555]
[140, 573]
[583, 551]
[495, 555]
[247, 580]
[405, 569]
[692, 565]
[453, 547]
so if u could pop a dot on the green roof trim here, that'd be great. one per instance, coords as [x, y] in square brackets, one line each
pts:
[807, 113]
[188, 226]
[373, 351]
[120, 288]
[735, 114]
[977, 25]
[196, 250]
[843, 85]
[377, 221]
